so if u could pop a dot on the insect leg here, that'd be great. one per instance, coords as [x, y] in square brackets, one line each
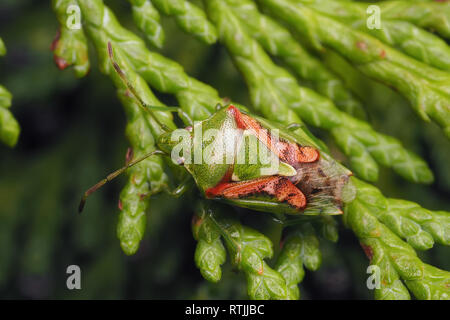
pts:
[184, 186]
[294, 126]
[147, 108]
[187, 120]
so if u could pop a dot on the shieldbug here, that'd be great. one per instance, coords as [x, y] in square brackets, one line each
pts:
[291, 177]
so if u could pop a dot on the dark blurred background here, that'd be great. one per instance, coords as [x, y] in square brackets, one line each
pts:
[73, 135]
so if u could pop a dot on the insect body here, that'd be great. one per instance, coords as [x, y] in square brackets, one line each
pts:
[250, 162]
[237, 178]
[275, 185]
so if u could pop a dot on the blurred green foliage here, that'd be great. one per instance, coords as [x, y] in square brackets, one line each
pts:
[73, 134]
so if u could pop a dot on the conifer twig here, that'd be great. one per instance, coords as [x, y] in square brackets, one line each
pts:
[300, 247]
[9, 127]
[147, 19]
[189, 17]
[425, 87]
[70, 45]
[246, 247]
[400, 268]
[404, 35]
[145, 177]
[280, 43]
[431, 15]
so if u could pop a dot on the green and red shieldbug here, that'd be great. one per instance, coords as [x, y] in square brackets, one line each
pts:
[294, 178]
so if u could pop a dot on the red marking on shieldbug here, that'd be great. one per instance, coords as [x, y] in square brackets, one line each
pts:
[383, 54]
[120, 205]
[287, 152]
[221, 186]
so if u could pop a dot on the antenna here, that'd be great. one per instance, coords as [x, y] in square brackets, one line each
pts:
[141, 102]
[113, 175]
